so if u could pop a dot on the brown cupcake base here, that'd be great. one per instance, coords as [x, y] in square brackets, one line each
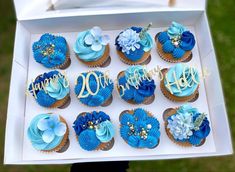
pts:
[167, 113]
[168, 56]
[63, 103]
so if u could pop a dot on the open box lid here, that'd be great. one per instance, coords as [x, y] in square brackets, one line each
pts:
[35, 9]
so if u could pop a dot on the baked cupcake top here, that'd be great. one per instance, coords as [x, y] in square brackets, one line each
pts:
[176, 40]
[90, 44]
[134, 42]
[46, 131]
[93, 88]
[135, 85]
[50, 50]
[139, 129]
[188, 125]
[49, 87]
[93, 129]
[181, 80]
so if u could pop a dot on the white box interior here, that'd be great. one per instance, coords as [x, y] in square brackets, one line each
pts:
[17, 150]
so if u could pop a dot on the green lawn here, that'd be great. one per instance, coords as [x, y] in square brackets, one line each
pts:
[221, 15]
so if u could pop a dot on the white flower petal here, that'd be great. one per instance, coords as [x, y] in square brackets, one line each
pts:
[60, 129]
[43, 124]
[89, 39]
[96, 31]
[96, 47]
[105, 40]
[48, 136]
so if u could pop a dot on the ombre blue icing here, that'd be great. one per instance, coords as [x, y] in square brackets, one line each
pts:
[188, 125]
[46, 131]
[50, 50]
[139, 129]
[51, 90]
[104, 93]
[90, 44]
[133, 44]
[178, 73]
[92, 129]
[137, 89]
[176, 40]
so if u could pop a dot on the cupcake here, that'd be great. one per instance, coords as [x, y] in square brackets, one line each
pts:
[48, 133]
[52, 51]
[51, 90]
[180, 83]
[94, 89]
[134, 45]
[139, 128]
[175, 44]
[92, 48]
[186, 126]
[94, 131]
[135, 86]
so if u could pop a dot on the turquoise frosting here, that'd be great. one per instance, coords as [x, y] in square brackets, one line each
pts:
[134, 73]
[105, 131]
[35, 135]
[175, 30]
[84, 51]
[57, 89]
[147, 42]
[176, 73]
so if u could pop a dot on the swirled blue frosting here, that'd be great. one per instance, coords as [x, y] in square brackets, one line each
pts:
[93, 129]
[144, 88]
[50, 50]
[55, 89]
[140, 130]
[46, 132]
[132, 45]
[85, 51]
[104, 93]
[180, 72]
[176, 40]
[188, 125]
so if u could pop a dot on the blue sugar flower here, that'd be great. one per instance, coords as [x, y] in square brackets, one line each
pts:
[95, 39]
[51, 127]
[88, 140]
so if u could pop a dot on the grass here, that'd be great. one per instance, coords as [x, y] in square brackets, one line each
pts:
[221, 15]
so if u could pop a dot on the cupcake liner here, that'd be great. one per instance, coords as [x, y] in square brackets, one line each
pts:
[147, 100]
[168, 56]
[174, 98]
[63, 103]
[145, 59]
[64, 143]
[167, 113]
[104, 61]
[67, 62]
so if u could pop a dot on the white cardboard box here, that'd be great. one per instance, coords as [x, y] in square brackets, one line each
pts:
[35, 19]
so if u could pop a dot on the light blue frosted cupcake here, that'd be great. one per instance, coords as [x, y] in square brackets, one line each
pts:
[186, 126]
[139, 128]
[92, 48]
[52, 51]
[180, 83]
[96, 91]
[94, 131]
[48, 133]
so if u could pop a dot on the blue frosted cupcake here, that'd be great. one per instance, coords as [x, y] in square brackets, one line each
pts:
[52, 51]
[186, 126]
[92, 48]
[94, 131]
[135, 86]
[94, 89]
[180, 83]
[139, 128]
[134, 45]
[48, 133]
[175, 44]
[51, 90]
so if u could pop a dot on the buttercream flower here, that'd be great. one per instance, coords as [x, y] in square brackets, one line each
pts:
[105, 131]
[175, 30]
[187, 41]
[51, 127]
[146, 88]
[95, 39]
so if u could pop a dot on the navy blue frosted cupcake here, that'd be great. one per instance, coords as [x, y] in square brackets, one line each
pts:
[51, 51]
[139, 128]
[175, 44]
[51, 90]
[134, 45]
[94, 89]
[135, 86]
[94, 131]
[186, 126]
